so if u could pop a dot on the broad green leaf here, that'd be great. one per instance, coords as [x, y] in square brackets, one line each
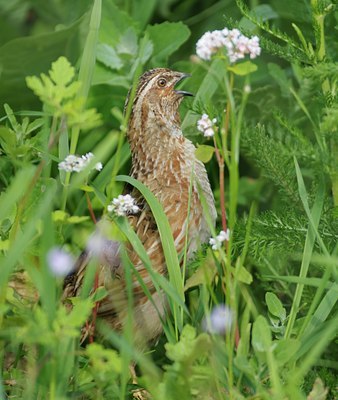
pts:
[77, 219]
[243, 68]
[146, 49]
[204, 274]
[108, 56]
[142, 11]
[204, 152]
[285, 350]
[243, 275]
[261, 335]
[275, 306]
[59, 216]
[128, 43]
[114, 23]
[167, 37]
[35, 53]
[190, 346]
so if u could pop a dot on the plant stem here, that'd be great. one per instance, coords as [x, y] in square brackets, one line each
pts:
[90, 208]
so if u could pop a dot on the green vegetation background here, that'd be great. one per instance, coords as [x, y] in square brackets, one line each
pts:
[285, 233]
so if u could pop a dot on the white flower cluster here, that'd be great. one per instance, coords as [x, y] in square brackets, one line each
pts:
[123, 205]
[237, 45]
[60, 263]
[74, 163]
[219, 321]
[206, 125]
[216, 242]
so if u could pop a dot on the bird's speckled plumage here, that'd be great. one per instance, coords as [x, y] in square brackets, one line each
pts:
[164, 161]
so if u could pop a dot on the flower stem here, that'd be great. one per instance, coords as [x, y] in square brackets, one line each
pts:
[90, 208]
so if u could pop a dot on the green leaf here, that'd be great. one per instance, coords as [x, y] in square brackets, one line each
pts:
[204, 274]
[142, 11]
[146, 49]
[275, 306]
[204, 152]
[7, 139]
[285, 349]
[77, 220]
[100, 294]
[128, 43]
[190, 346]
[243, 275]
[36, 54]
[14, 193]
[87, 188]
[80, 312]
[261, 335]
[167, 38]
[244, 68]
[4, 245]
[108, 56]
[59, 216]
[62, 71]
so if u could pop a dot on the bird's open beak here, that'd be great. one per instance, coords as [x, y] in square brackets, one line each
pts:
[183, 92]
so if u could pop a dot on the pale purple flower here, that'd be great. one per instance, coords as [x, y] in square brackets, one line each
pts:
[216, 242]
[219, 321]
[123, 205]
[74, 163]
[60, 263]
[236, 44]
[207, 125]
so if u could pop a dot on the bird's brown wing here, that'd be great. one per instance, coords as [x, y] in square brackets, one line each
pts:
[111, 274]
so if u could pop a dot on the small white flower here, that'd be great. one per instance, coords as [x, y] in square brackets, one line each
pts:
[236, 44]
[216, 242]
[206, 125]
[123, 205]
[98, 166]
[74, 163]
[247, 89]
[219, 321]
[60, 262]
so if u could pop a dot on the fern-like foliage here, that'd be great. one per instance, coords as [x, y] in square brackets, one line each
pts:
[273, 159]
[284, 233]
[290, 51]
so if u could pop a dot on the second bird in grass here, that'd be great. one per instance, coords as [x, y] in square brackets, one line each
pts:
[164, 161]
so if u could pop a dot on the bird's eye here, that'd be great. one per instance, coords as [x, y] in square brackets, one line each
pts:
[161, 82]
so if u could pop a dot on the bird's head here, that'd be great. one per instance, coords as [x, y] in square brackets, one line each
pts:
[156, 91]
